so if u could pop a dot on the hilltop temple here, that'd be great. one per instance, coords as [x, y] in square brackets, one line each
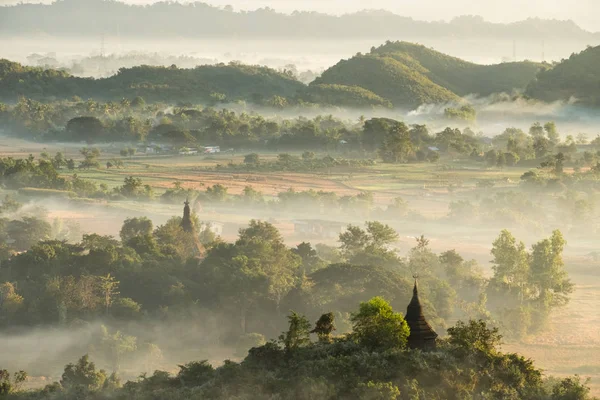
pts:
[422, 336]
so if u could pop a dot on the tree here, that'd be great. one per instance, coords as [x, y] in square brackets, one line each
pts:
[89, 129]
[109, 287]
[90, 158]
[397, 145]
[136, 226]
[27, 232]
[377, 327]
[83, 374]
[134, 188]
[195, 373]
[310, 260]
[571, 389]
[252, 159]
[548, 276]
[216, 193]
[474, 335]
[324, 326]
[252, 196]
[298, 334]
[117, 345]
[552, 132]
[10, 301]
[370, 246]
[8, 385]
[491, 158]
[536, 130]
[541, 146]
[510, 264]
[59, 161]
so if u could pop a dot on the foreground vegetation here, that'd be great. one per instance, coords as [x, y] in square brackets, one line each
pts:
[370, 362]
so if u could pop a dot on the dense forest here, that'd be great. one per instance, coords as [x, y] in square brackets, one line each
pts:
[171, 19]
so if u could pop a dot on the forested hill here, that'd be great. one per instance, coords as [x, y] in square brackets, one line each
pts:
[208, 83]
[94, 17]
[577, 77]
[396, 74]
[409, 75]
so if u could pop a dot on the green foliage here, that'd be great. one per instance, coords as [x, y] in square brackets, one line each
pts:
[474, 335]
[133, 227]
[83, 375]
[573, 78]
[324, 326]
[526, 286]
[464, 113]
[369, 246]
[376, 326]
[298, 334]
[8, 385]
[195, 373]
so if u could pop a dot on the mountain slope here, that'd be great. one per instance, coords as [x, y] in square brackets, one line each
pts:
[410, 75]
[577, 77]
[460, 76]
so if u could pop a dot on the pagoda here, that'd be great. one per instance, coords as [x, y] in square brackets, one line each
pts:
[422, 336]
[186, 222]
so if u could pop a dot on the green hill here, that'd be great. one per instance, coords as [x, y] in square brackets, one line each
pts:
[410, 75]
[224, 82]
[577, 77]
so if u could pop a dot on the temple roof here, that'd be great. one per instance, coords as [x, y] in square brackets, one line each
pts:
[419, 327]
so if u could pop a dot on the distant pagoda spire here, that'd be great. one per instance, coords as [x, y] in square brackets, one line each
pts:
[422, 336]
[186, 221]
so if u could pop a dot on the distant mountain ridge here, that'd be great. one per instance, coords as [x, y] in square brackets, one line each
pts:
[164, 19]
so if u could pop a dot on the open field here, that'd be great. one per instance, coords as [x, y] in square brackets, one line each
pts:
[571, 343]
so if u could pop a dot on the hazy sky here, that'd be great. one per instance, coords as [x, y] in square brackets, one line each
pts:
[584, 12]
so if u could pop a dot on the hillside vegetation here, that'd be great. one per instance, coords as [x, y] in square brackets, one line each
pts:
[410, 75]
[577, 77]
[204, 83]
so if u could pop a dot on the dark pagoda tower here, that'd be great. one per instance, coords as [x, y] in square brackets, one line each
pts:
[422, 336]
[186, 221]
